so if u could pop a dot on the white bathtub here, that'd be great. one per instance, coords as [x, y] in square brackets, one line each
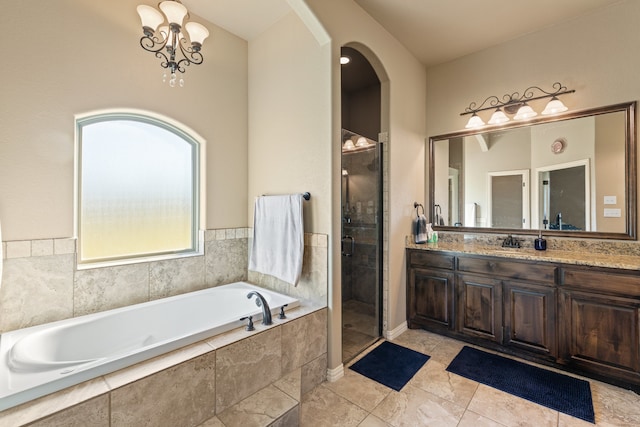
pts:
[43, 359]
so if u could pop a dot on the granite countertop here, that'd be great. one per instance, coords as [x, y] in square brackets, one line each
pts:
[626, 262]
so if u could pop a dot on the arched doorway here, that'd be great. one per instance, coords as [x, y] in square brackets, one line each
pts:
[362, 203]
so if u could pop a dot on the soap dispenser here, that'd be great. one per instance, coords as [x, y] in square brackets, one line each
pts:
[540, 244]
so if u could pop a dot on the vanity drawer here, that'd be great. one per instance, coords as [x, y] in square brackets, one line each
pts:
[419, 258]
[508, 269]
[602, 281]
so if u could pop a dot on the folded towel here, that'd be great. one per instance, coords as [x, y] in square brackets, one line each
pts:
[278, 237]
[420, 229]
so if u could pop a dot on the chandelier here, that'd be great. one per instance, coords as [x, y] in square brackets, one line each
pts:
[163, 36]
[516, 103]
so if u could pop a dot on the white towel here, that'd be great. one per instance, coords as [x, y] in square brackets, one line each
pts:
[470, 215]
[278, 237]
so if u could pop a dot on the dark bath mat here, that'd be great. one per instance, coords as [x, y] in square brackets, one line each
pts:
[390, 364]
[551, 389]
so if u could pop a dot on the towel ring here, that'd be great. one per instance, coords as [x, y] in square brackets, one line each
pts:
[417, 205]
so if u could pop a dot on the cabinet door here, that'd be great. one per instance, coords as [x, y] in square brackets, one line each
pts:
[430, 299]
[530, 317]
[599, 333]
[480, 307]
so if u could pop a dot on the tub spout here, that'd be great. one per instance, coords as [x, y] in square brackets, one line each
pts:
[261, 302]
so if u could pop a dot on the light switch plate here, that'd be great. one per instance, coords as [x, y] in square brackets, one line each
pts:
[612, 213]
[610, 200]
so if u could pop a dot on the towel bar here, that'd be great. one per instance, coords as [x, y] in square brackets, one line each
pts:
[306, 195]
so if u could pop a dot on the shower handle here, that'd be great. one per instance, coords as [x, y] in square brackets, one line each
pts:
[353, 245]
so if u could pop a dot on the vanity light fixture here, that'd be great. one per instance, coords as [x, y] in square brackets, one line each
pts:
[348, 145]
[163, 36]
[516, 104]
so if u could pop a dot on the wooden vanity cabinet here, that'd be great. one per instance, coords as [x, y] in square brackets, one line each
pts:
[583, 319]
[511, 303]
[430, 291]
[599, 321]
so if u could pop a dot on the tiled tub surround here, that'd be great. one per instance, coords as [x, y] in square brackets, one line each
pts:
[237, 378]
[590, 252]
[50, 357]
[40, 283]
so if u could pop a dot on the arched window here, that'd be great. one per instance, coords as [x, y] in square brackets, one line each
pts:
[138, 189]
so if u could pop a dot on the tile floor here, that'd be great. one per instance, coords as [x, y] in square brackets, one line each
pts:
[434, 397]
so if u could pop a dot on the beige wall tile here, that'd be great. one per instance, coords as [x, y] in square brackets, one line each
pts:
[263, 408]
[226, 261]
[176, 276]
[36, 290]
[94, 413]
[100, 289]
[313, 374]
[303, 340]
[247, 366]
[180, 396]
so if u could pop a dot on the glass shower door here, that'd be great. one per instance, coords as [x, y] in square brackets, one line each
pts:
[361, 243]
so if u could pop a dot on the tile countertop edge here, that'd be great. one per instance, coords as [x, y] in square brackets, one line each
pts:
[624, 262]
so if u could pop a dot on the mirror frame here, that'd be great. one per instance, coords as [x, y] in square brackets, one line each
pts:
[630, 173]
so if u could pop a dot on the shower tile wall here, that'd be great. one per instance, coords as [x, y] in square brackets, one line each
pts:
[40, 283]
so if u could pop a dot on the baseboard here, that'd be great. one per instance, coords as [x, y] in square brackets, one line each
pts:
[335, 374]
[395, 333]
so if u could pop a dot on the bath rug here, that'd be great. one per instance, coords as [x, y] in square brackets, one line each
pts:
[556, 391]
[390, 364]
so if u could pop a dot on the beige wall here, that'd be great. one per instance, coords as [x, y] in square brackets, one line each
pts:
[289, 127]
[65, 57]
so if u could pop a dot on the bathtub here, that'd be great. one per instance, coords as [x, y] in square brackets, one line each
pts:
[46, 358]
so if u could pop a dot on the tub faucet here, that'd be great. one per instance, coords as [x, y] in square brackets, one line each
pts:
[261, 302]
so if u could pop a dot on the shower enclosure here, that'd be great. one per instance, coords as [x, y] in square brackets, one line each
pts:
[361, 243]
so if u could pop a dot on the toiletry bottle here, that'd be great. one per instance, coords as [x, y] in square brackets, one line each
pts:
[540, 244]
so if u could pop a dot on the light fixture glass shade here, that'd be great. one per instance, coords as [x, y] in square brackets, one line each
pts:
[174, 11]
[197, 32]
[498, 117]
[554, 106]
[348, 145]
[474, 122]
[362, 142]
[149, 16]
[525, 112]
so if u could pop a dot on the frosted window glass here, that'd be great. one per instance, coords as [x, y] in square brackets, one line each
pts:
[137, 191]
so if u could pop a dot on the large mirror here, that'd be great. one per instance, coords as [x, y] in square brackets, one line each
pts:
[568, 175]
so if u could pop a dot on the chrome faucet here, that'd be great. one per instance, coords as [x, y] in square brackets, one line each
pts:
[261, 302]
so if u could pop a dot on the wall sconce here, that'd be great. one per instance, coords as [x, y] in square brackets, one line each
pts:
[516, 103]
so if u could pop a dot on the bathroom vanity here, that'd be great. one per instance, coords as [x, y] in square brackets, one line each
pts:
[560, 309]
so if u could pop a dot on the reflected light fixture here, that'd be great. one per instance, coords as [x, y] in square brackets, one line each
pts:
[362, 142]
[164, 36]
[348, 145]
[344, 60]
[516, 104]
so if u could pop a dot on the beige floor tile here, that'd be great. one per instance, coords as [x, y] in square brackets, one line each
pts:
[373, 421]
[511, 410]
[419, 340]
[413, 407]
[471, 419]
[615, 406]
[360, 390]
[322, 407]
[434, 378]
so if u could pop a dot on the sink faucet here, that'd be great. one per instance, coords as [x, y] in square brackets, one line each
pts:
[261, 302]
[510, 242]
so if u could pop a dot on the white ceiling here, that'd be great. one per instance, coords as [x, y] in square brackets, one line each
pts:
[435, 31]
